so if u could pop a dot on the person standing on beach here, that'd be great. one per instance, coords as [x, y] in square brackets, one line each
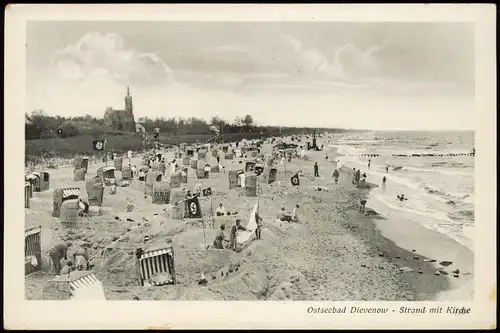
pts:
[358, 176]
[369, 162]
[316, 169]
[58, 252]
[258, 231]
[232, 236]
[383, 182]
[354, 175]
[362, 205]
[336, 175]
[295, 214]
[386, 168]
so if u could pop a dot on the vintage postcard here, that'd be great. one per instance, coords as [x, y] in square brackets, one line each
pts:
[250, 166]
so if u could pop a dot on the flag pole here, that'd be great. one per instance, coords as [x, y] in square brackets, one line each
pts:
[212, 211]
[105, 152]
[203, 224]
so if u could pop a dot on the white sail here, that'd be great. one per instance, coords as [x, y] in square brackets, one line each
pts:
[243, 236]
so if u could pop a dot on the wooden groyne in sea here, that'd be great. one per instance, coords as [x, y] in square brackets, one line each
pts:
[415, 155]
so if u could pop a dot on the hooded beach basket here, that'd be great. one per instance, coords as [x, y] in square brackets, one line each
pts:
[249, 166]
[233, 179]
[194, 163]
[272, 175]
[127, 173]
[202, 154]
[62, 195]
[251, 185]
[27, 195]
[184, 175]
[177, 196]
[162, 167]
[161, 193]
[175, 180]
[32, 249]
[69, 213]
[96, 194]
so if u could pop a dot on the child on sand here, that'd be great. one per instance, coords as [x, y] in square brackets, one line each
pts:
[68, 268]
[219, 238]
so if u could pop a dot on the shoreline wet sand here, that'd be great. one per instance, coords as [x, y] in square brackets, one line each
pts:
[334, 253]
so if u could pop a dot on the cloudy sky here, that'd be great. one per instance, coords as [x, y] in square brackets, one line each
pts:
[351, 75]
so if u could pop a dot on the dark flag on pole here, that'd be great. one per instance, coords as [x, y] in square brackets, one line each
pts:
[98, 144]
[193, 208]
[295, 180]
[207, 192]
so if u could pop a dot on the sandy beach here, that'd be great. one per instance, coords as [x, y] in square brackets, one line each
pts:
[333, 253]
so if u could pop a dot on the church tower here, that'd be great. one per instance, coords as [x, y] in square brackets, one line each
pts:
[128, 101]
[129, 112]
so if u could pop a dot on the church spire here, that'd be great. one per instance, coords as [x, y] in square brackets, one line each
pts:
[128, 91]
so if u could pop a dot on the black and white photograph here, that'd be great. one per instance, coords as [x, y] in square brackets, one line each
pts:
[241, 160]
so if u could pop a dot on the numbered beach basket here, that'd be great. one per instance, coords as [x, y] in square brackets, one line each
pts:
[161, 193]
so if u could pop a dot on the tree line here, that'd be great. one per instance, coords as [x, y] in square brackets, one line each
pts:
[40, 125]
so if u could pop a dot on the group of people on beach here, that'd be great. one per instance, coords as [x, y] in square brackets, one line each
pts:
[65, 264]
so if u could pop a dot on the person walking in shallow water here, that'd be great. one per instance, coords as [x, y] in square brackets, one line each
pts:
[336, 175]
[369, 163]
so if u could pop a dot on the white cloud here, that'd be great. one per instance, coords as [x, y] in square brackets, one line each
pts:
[96, 52]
